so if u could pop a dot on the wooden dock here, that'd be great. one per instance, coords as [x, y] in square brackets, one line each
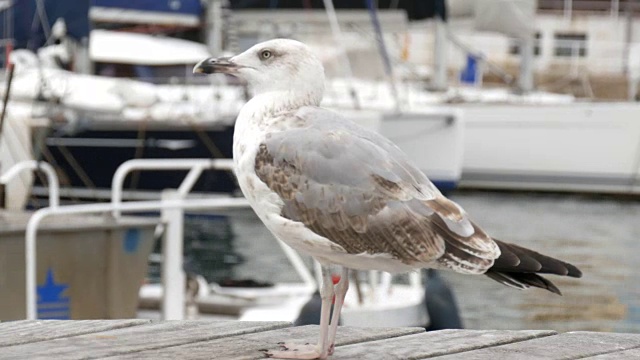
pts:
[143, 339]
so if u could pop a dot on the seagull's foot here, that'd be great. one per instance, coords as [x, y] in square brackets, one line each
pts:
[295, 351]
[332, 347]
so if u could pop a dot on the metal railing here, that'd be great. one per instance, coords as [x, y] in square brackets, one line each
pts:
[569, 7]
[172, 208]
[46, 168]
[195, 167]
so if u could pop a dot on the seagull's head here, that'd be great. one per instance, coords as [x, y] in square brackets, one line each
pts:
[274, 65]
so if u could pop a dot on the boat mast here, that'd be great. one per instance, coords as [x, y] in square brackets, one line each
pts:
[337, 38]
[382, 48]
[213, 24]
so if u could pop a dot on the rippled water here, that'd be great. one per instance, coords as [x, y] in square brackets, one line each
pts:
[601, 235]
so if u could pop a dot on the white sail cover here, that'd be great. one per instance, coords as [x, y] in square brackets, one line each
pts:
[515, 18]
[461, 8]
[142, 49]
[15, 147]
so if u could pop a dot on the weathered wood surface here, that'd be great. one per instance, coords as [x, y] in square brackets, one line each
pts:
[143, 339]
[625, 354]
[573, 345]
[437, 343]
[245, 347]
[23, 332]
[153, 335]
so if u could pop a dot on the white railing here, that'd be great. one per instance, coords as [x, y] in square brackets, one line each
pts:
[172, 208]
[195, 167]
[172, 270]
[48, 170]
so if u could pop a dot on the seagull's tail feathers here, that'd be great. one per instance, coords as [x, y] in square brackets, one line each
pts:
[520, 268]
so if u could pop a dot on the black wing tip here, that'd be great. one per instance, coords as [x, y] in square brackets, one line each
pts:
[554, 289]
[549, 286]
[530, 261]
[523, 281]
[568, 269]
[573, 271]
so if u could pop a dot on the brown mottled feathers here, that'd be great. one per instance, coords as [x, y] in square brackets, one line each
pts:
[360, 191]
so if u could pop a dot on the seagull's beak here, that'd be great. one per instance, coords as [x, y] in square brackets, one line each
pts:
[216, 65]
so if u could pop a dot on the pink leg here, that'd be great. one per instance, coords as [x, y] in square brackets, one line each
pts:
[321, 350]
[341, 291]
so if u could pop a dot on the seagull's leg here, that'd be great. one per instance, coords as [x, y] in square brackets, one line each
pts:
[321, 350]
[326, 294]
[340, 291]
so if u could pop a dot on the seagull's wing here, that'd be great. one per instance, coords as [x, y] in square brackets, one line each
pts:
[360, 191]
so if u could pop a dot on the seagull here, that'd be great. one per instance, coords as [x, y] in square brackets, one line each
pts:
[348, 196]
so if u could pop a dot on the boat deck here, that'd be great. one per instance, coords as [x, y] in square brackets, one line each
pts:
[144, 339]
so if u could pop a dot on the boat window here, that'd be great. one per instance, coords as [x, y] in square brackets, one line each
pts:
[570, 44]
[514, 45]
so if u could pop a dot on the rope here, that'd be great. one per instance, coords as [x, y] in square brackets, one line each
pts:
[135, 176]
[76, 167]
[5, 100]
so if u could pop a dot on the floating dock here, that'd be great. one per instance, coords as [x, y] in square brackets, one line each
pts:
[186, 340]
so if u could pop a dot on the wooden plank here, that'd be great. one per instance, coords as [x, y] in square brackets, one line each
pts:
[155, 335]
[571, 345]
[625, 354]
[436, 343]
[249, 346]
[30, 331]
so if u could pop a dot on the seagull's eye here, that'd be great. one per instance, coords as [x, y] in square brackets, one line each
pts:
[265, 54]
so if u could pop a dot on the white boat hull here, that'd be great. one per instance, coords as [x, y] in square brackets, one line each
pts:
[592, 147]
[402, 305]
[432, 137]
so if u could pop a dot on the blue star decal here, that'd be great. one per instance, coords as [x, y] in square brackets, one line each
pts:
[51, 303]
[51, 292]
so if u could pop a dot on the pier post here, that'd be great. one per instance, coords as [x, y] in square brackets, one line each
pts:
[525, 81]
[440, 56]
[173, 277]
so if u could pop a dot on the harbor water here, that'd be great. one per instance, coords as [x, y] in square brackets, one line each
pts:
[600, 235]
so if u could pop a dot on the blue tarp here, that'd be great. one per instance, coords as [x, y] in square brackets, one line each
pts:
[29, 34]
[188, 7]
[26, 33]
[416, 9]
[469, 75]
[75, 13]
